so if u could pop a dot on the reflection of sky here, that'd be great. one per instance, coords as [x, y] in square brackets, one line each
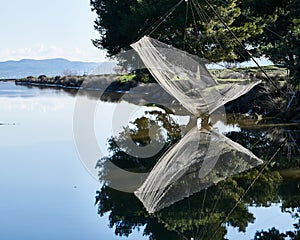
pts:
[9, 89]
[266, 218]
[225, 128]
[35, 120]
[46, 193]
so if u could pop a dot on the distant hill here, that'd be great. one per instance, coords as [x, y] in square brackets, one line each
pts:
[51, 67]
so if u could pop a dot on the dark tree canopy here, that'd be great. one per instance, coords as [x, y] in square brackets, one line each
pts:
[206, 28]
[193, 26]
[280, 42]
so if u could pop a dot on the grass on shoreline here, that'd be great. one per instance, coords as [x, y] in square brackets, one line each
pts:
[223, 76]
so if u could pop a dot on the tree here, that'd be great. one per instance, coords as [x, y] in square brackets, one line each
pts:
[196, 26]
[280, 41]
[220, 30]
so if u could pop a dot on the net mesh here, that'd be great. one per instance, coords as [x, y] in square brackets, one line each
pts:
[186, 77]
[201, 159]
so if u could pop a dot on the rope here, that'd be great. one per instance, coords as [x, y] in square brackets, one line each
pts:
[265, 27]
[204, 199]
[185, 23]
[249, 187]
[238, 41]
[193, 16]
[202, 210]
[223, 187]
[156, 24]
[205, 230]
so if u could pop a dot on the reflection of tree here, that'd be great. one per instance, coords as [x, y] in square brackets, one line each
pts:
[275, 234]
[269, 235]
[288, 192]
[202, 215]
[127, 214]
[199, 216]
[168, 133]
[290, 196]
[264, 142]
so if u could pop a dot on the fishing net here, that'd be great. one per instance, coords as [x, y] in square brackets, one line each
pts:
[186, 77]
[201, 159]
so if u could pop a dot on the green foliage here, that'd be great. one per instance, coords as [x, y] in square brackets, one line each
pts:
[204, 214]
[121, 23]
[270, 235]
[143, 75]
[127, 78]
[139, 132]
[267, 28]
[280, 42]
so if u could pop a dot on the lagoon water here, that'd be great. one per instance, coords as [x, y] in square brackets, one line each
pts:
[46, 191]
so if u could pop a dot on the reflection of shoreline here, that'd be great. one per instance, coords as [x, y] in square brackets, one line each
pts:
[108, 89]
[290, 174]
[8, 80]
[6, 124]
[54, 85]
[68, 81]
[141, 93]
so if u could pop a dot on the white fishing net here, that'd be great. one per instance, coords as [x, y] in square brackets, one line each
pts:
[186, 77]
[203, 157]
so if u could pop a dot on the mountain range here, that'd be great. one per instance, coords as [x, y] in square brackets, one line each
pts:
[52, 67]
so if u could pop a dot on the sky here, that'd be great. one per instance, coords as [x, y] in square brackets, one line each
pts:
[43, 29]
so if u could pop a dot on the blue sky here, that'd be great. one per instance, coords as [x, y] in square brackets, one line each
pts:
[41, 29]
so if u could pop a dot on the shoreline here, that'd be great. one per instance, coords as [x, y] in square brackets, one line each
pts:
[126, 81]
[262, 100]
[107, 82]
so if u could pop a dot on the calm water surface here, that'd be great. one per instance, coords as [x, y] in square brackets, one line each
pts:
[46, 192]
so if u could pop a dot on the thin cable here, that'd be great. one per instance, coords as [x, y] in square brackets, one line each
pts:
[205, 231]
[175, 230]
[198, 10]
[236, 38]
[204, 17]
[185, 24]
[249, 187]
[158, 22]
[214, 38]
[193, 16]
[202, 209]
[163, 18]
[265, 27]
